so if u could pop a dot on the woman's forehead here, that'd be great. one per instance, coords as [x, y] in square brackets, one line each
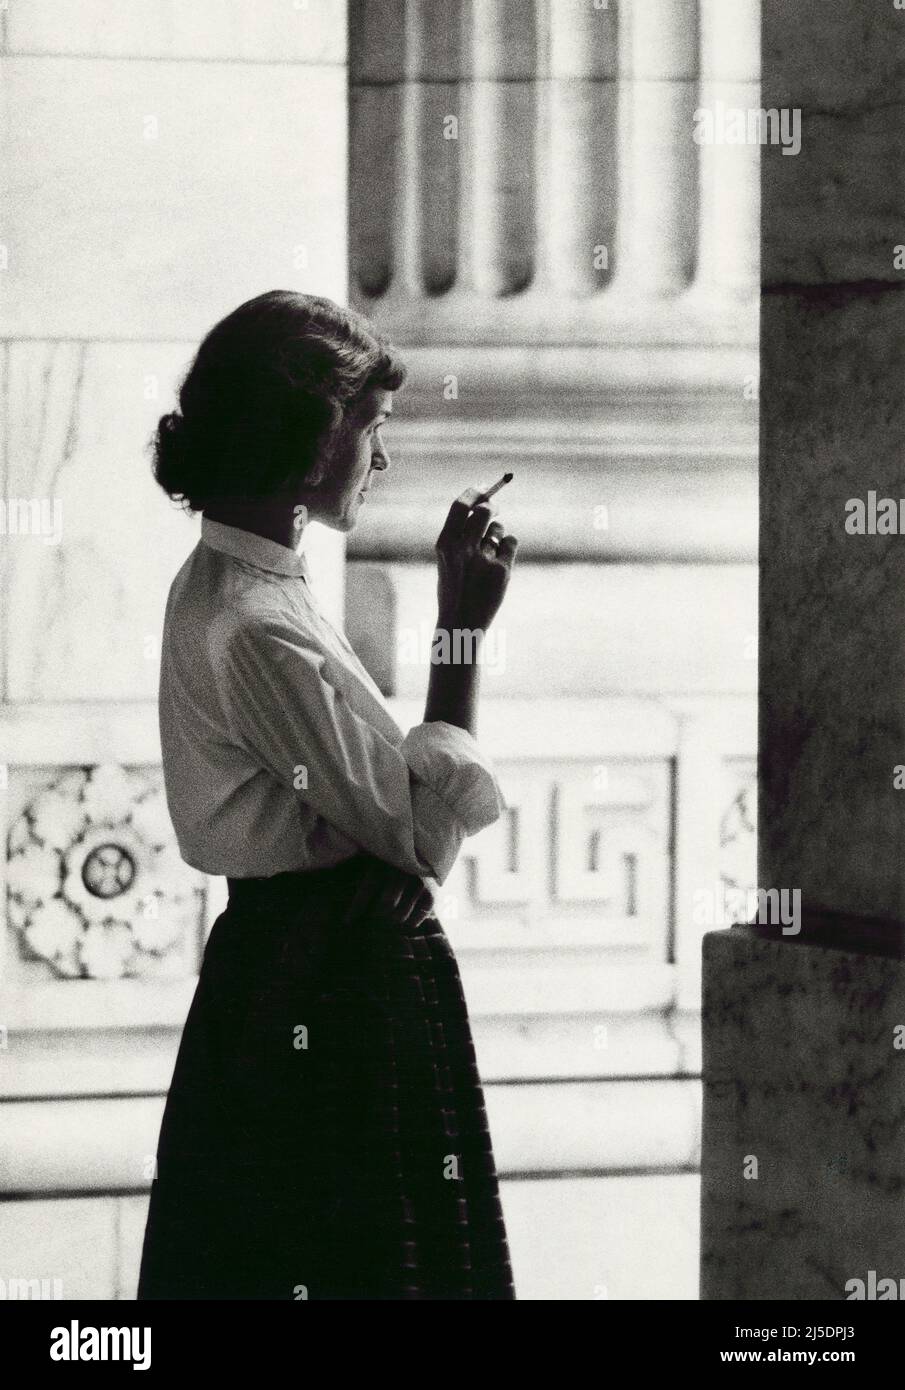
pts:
[372, 403]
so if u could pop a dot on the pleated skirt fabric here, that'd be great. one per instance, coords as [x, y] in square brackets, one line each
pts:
[325, 1134]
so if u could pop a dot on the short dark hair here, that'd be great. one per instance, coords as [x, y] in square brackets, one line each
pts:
[268, 390]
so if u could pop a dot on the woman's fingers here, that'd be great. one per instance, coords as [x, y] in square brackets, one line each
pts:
[492, 538]
[421, 906]
[385, 891]
[452, 526]
[507, 548]
[461, 513]
[408, 901]
[392, 893]
[403, 898]
[414, 903]
[476, 523]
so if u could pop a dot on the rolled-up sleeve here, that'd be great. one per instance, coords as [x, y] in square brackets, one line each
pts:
[455, 792]
[411, 802]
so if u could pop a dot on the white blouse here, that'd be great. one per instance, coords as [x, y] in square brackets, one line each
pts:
[279, 751]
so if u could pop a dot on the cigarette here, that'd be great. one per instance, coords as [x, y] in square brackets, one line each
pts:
[506, 478]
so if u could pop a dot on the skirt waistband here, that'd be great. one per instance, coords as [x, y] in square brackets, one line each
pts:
[332, 888]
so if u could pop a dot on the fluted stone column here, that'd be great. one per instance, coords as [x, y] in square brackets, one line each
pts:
[576, 97]
[528, 173]
[658, 164]
[804, 1149]
[570, 273]
[728, 228]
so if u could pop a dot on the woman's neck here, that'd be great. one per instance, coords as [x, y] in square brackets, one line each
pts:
[274, 519]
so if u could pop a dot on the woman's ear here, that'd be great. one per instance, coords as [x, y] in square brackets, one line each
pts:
[318, 471]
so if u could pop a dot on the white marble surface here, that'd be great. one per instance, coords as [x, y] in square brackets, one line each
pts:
[661, 37]
[84, 617]
[604, 1239]
[75, 1240]
[312, 31]
[730, 39]
[579, 625]
[801, 1073]
[151, 197]
[729, 200]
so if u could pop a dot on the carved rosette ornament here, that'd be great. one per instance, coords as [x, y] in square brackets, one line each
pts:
[95, 884]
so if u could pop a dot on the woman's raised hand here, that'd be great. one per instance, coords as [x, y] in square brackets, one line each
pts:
[401, 898]
[474, 562]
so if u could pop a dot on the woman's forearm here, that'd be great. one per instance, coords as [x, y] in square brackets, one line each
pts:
[454, 684]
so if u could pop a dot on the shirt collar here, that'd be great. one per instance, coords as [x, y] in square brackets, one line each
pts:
[254, 549]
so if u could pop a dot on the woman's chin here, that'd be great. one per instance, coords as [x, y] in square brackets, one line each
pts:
[344, 521]
[352, 511]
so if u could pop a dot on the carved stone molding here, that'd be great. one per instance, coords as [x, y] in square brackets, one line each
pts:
[95, 885]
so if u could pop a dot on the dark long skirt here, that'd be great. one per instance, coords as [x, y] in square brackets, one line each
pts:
[325, 1135]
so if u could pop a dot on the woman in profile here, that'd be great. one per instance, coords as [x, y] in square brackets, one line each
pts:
[325, 1135]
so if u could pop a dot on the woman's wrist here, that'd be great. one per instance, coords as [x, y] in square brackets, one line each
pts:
[451, 622]
[452, 693]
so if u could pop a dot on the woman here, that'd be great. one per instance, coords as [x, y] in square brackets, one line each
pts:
[325, 1133]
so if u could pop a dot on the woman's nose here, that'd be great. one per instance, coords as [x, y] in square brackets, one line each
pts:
[380, 458]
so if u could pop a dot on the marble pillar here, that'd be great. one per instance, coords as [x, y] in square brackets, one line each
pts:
[804, 1150]
[803, 1132]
